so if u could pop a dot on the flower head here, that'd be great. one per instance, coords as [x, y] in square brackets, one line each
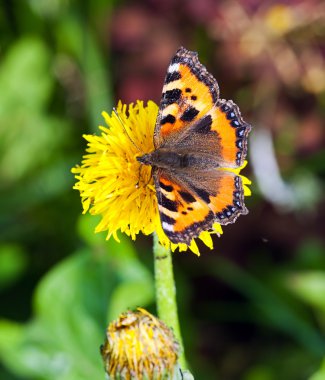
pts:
[113, 183]
[139, 346]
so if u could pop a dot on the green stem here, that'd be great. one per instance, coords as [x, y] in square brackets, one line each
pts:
[166, 293]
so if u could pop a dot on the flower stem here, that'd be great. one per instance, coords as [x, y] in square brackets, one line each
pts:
[166, 293]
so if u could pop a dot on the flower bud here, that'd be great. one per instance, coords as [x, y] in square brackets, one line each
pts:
[139, 346]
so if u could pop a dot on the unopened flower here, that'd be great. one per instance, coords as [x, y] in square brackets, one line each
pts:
[139, 346]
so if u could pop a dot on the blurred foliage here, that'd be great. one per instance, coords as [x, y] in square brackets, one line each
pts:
[254, 309]
[63, 338]
[12, 264]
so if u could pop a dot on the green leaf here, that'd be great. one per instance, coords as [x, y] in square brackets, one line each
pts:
[129, 296]
[28, 135]
[309, 286]
[259, 372]
[319, 375]
[31, 141]
[310, 254]
[136, 287]
[276, 311]
[71, 303]
[24, 73]
[12, 263]
[78, 38]
[86, 229]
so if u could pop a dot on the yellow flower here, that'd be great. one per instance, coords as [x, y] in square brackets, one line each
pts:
[139, 346]
[113, 184]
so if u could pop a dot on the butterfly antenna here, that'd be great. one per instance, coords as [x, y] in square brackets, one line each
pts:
[123, 126]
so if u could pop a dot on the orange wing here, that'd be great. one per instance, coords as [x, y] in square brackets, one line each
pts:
[183, 214]
[192, 118]
[192, 202]
[189, 92]
[232, 133]
[211, 134]
[221, 133]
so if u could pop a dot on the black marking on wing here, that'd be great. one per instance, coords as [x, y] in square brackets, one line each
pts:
[167, 203]
[171, 96]
[203, 194]
[168, 119]
[230, 213]
[167, 219]
[238, 156]
[238, 199]
[203, 125]
[231, 115]
[192, 231]
[242, 129]
[235, 123]
[190, 58]
[240, 132]
[171, 77]
[208, 80]
[167, 188]
[187, 197]
[225, 107]
[227, 213]
[189, 114]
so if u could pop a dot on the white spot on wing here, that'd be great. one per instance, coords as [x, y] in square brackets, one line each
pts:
[168, 227]
[173, 67]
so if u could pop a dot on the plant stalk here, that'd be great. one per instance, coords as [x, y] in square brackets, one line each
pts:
[166, 293]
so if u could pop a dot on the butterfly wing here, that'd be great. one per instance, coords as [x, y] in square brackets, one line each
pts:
[192, 118]
[221, 134]
[190, 203]
[189, 91]
[193, 121]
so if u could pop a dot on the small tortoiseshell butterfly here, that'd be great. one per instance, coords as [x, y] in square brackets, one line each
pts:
[197, 137]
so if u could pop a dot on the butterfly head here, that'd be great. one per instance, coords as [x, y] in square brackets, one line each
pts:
[146, 159]
[165, 158]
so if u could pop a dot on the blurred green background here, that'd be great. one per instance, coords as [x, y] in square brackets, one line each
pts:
[252, 309]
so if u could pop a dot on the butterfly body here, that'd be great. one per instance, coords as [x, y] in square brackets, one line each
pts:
[173, 160]
[198, 138]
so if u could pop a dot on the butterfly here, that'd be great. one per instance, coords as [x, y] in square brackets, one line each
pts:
[197, 137]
